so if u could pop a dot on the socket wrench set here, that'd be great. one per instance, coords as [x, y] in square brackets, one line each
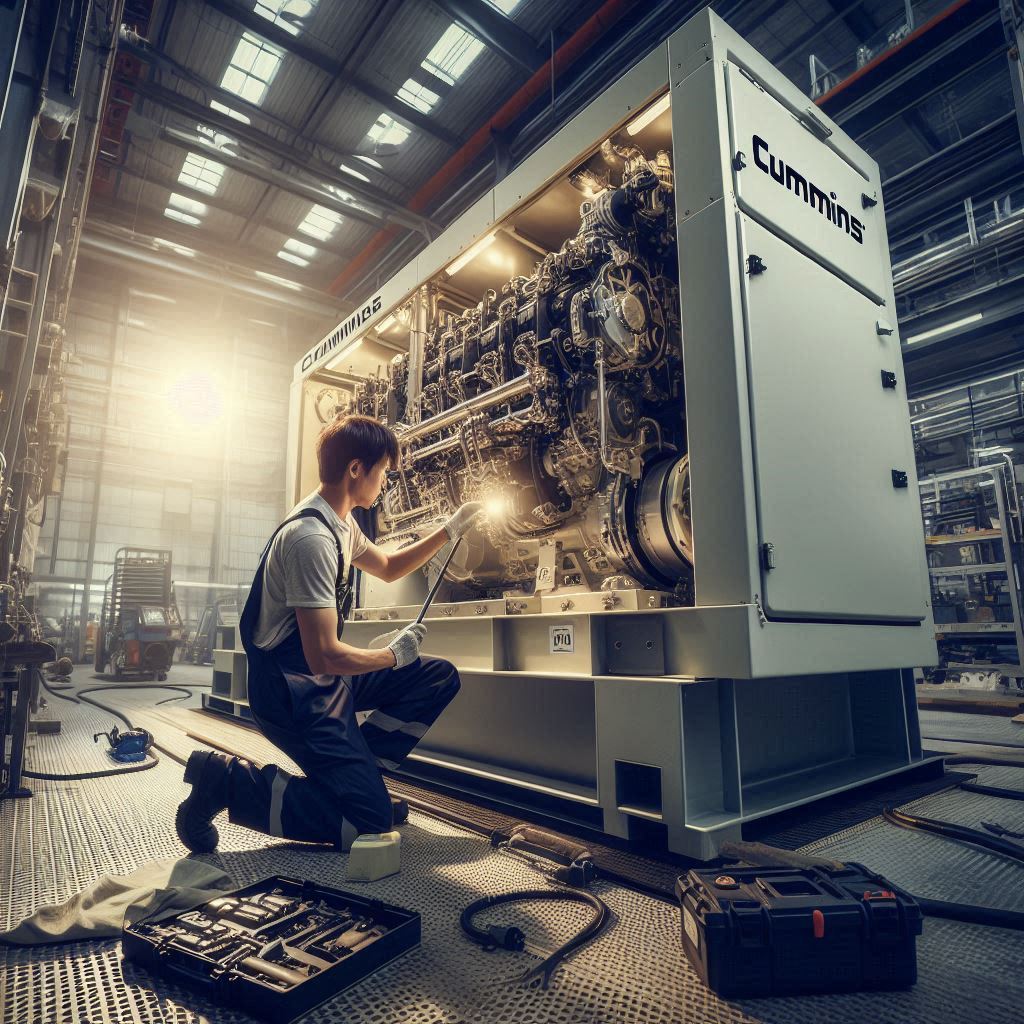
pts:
[275, 948]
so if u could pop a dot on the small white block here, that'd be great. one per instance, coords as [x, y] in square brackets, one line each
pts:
[374, 855]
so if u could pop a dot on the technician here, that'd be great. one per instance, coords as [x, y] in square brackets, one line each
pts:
[306, 685]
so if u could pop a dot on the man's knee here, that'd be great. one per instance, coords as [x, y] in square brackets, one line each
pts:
[449, 683]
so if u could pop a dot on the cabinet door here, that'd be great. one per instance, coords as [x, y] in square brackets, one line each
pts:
[846, 539]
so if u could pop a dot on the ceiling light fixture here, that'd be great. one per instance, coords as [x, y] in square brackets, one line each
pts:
[945, 328]
[652, 113]
[471, 253]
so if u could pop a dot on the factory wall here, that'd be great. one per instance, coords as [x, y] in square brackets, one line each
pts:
[178, 407]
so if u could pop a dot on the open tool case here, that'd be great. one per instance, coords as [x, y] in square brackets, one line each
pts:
[275, 948]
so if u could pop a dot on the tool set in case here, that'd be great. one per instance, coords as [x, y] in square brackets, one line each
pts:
[781, 931]
[276, 948]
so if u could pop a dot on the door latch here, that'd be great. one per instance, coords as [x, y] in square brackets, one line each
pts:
[756, 265]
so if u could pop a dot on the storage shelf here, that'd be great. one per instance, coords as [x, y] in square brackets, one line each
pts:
[981, 569]
[1006, 670]
[974, 627]
[964, 538]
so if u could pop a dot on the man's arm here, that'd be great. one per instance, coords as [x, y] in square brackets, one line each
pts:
[327, 655]
[393, 566]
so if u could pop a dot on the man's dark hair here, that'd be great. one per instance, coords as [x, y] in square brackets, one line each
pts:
[349, 438]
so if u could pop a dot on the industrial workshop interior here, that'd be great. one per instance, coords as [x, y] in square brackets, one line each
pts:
[511, 511]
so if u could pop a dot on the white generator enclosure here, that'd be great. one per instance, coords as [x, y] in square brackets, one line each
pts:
[664, 353]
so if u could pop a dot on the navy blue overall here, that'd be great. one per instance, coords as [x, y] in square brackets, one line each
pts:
[313, 720]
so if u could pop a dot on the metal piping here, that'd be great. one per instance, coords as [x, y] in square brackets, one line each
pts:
[118, 252]
[281, 180]
[507, 392]
[291, 152]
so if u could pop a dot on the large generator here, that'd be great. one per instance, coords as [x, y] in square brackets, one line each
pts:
[664, 353]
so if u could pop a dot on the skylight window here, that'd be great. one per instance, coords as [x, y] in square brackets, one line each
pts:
[369, 160]
[505, 6]
[202, 174]
[288, 13]
[282, 281]
[418, 96]
[320, 222]
[290, 257]
[386, 130]
[244, 118]
[303, 249]
[193, 206]
[252, 68]
[185, 218]
[452, 54]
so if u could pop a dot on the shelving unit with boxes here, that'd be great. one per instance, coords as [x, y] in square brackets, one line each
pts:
[973, 534]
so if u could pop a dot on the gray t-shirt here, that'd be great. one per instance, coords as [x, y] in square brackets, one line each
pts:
[302, 568]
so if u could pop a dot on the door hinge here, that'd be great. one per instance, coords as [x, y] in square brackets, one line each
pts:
[767, 556]
[762, 619]
[739, 161]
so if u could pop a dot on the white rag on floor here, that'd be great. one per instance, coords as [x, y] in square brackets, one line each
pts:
[157, 890]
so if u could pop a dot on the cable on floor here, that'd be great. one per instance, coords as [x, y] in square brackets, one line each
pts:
[82, 695]
[1006, 794]
[496, 936]
[957, 833]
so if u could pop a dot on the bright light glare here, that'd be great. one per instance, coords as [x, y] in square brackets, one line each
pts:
[652, 113]
[496, 508]
[196, 399]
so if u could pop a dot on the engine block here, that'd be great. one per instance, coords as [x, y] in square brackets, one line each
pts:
[559, 403]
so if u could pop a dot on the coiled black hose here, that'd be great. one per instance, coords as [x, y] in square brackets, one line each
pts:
[102, 773]
[496, 937]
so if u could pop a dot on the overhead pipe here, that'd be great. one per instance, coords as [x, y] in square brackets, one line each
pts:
[211, 273]
[271, 176]
[265, 143]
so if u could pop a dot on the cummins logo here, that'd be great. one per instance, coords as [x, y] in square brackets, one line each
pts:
[341, 332]
[817, 199]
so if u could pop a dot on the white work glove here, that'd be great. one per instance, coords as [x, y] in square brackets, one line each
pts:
[403, 643]
[463, 519]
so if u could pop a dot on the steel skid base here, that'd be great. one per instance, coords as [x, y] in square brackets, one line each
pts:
[615, 720]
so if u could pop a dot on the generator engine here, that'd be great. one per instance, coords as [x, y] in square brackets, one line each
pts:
[558, 403]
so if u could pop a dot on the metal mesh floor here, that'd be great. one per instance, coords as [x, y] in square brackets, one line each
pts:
[71, 832]
[958, 726]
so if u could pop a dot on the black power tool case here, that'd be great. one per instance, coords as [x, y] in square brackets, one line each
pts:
[207, 949]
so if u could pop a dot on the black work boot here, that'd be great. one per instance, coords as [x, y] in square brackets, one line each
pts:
[399, 811]
[208, 773]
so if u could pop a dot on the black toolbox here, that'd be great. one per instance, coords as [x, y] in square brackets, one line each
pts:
[275, 948]
[784, 931]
